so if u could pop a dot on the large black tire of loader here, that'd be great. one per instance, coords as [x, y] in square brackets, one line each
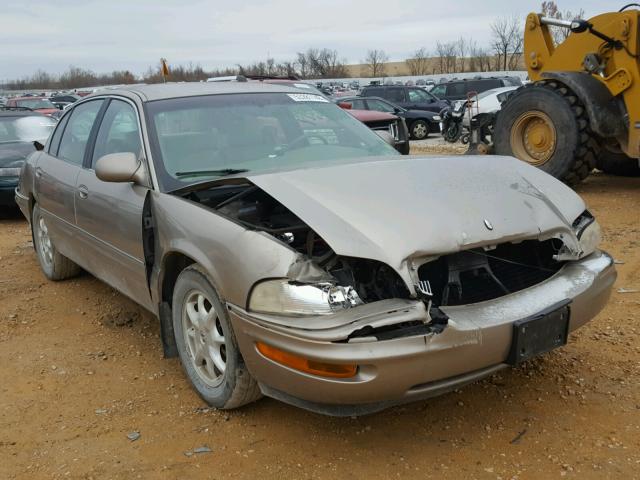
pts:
[574, 156]
[617, 163]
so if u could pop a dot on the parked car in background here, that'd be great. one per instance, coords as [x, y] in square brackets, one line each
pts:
[379, 121]
[419, 122]
[289, 251]
[19, 128]
[458, 89]
[37, 104]
[62, 101]
[489, 101]
[412, 98]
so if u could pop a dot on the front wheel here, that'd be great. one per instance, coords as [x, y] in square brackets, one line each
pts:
[55, 266]
[206, 343]
[545, 125]
[419, 130]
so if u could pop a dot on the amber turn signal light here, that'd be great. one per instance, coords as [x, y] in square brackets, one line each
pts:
[313, 367]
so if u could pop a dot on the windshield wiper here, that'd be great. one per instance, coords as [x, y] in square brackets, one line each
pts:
[208, 173]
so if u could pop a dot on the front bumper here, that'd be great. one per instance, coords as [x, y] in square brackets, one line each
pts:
[22, 202]
[474, 344]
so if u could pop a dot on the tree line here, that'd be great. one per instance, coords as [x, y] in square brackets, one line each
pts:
[463, 55]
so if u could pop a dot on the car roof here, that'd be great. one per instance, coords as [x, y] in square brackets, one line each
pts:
[161, 91]
[500, 90]
[39, 97]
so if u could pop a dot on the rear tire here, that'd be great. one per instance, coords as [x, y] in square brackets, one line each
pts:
[617, 163]
[207, 345]
[55, 266]
[546, 125]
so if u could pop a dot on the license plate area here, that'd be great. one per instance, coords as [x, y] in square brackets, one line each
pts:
[540, 333]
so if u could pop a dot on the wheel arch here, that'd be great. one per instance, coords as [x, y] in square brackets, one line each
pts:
[604, 111]
[172, 264]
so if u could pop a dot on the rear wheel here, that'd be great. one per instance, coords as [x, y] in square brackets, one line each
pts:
[613, 161]
[54, 265]
[545, 125]
[419, 130]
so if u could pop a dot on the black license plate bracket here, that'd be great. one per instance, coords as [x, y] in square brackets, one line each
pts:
[540, 333]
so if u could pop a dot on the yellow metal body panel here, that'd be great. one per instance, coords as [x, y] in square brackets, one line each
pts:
[621, 74]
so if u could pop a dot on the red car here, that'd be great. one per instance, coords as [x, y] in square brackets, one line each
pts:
[37, 104]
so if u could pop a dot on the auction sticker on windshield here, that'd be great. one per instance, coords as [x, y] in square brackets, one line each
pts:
[306, 97]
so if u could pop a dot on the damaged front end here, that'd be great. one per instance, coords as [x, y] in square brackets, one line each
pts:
[321, 283]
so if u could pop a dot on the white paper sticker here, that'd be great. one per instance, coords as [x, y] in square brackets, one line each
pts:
[306, 97]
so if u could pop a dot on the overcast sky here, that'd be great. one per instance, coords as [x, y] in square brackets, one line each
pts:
[117, 35]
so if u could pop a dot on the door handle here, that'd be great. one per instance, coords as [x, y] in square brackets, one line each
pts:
[38, 172]
[83, 191]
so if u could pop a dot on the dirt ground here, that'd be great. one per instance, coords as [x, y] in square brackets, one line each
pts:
[81, 367]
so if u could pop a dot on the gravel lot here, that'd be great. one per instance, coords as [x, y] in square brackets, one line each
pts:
[81, 368]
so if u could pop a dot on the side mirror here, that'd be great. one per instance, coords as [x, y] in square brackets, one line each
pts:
[121, 167]
[38, 146]
[386, 136]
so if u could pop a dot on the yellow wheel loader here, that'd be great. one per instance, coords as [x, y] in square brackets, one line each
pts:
[582, 107]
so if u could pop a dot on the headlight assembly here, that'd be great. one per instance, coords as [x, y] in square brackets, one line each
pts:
[589, 237]
[283, 297]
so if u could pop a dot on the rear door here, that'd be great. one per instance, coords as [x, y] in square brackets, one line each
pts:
[57, 171]
[109, 215]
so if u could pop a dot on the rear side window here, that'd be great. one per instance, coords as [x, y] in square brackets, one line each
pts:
[395, 94]
[76, 134]
[458, 89]
[373, 92]
[482, 85]
[55, 139]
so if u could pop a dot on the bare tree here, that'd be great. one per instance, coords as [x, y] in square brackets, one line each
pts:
[550, 9]
[507, 41]
[462, 46]
[419, 62]
[447, 56]
[375, 61]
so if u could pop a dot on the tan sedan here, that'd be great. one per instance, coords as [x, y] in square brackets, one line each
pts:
[289, 251]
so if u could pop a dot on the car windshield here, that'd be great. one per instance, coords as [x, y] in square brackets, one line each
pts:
[35, 103]
[197, 138]
[25, 129]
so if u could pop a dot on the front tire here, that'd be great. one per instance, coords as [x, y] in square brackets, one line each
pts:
[614, 162]
[545, 125]
[207, 345]
[419, 130]
[55, 266]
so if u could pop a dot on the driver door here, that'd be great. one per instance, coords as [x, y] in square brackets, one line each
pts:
[108, 214]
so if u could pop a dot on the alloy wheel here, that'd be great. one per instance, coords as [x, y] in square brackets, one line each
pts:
[204, 338]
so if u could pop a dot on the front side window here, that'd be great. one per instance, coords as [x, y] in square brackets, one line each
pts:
[358, 104]
[198, 138]
[439, 90]
[118, 132]
[418, 95]
[76, 134]
[395, 95]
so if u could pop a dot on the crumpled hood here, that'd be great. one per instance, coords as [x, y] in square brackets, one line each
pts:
[14, 154]
[393, 209]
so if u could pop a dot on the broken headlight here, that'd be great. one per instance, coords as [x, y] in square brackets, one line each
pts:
[283, 297]
[589, 237]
